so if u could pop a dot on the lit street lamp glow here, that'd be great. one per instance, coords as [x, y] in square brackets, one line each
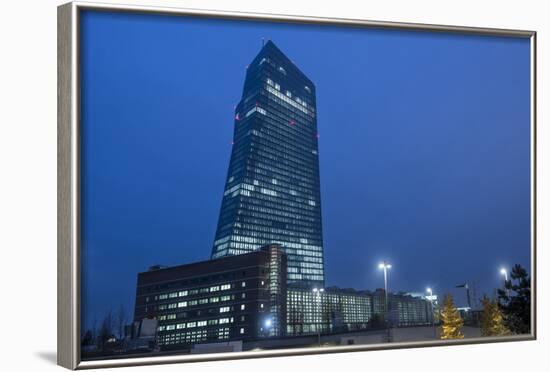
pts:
[504, 273]
[430, 292]
[386, 266]
[318, 292]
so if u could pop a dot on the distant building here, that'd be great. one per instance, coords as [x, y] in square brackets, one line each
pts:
[272, 193]
[407, 310]
[333, 310]
[141, 335]
[343, 310]
[232, 298]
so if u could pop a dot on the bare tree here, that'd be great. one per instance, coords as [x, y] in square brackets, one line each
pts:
[106, 329]
[120, 321]
[94, 329]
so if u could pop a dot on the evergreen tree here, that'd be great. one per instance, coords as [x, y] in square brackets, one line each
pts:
[492, 320]
[515, 301]
[451, 320]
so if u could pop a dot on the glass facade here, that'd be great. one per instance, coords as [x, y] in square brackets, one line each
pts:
[343, 310]
[272, 191]
[406, 311]
[334, 310]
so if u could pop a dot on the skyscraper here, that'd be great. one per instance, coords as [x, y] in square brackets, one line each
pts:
[272, 191]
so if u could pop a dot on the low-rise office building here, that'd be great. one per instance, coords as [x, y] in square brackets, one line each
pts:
[232, 298]
[407, 310]
[245, 297]
[342, 310]
[332, 310]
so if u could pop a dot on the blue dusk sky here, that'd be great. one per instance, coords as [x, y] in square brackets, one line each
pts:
[424, 149]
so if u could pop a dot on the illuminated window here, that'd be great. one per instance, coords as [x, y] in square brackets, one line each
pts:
[182, 304]
[241, 331]
[224, 309]
[243, 284]
[242, 307]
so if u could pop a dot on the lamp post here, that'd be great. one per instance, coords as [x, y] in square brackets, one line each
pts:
[385, 267]
[504, 273]
[318, 292]
[430, 293]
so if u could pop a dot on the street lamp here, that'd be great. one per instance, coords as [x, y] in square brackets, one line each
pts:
[318, 292]
[268, 324]
[504, 273]
[430, 292]
[385, 267]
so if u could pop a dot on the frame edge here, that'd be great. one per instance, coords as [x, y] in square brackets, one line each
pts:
[68, 178]
[66, 315]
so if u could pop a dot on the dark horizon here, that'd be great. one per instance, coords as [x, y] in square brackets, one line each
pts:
[397, 188]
